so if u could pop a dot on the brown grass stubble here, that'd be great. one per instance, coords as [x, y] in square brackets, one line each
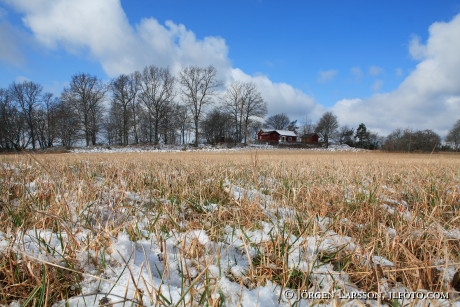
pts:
[343, 186]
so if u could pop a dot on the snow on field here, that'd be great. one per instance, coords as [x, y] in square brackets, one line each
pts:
[203, 148]
[149, 272]
[157, 269]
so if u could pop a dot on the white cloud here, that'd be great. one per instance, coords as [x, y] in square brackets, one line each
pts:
[102, 29]
[416, 49]
[426, 99]
[327, 75]
[282, 97]
[99, 27]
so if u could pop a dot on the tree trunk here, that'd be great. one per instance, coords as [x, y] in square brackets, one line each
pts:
[196, 131]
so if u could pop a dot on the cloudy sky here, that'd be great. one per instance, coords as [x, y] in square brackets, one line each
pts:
[390, 64]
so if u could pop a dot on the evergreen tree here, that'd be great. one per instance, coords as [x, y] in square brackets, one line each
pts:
[362, 137]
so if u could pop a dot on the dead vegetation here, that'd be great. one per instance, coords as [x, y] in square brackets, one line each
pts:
[402, 207]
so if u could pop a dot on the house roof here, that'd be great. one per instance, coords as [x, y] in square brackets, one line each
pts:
[286, 132]
[281, 132]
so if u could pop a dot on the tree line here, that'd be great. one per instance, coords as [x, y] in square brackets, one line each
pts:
[151, 106]
[401, 140]
[155, 106]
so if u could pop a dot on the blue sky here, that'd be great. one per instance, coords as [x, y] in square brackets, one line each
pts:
[389, 64]
[309, 43]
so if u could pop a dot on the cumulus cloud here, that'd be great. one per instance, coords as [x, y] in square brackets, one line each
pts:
[176, 46]
[416, 49]
[102, 29]
[282, 97]
[327, 75]
[427, 99]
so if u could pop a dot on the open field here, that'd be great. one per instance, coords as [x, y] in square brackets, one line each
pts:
[236, 228]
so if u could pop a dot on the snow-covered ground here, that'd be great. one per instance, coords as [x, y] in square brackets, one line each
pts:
[142, 268]
[204, 148]
[157, 270]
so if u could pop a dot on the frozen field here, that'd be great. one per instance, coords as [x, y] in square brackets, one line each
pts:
[220, 227]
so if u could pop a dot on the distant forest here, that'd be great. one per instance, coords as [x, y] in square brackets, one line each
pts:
[154, 106]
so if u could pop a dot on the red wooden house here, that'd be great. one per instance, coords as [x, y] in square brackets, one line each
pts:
[277, 136]
[310, 138]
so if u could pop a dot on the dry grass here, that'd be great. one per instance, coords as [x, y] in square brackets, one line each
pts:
[75, 193]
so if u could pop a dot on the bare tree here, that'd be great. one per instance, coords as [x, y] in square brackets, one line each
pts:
[124, 91]
[183, 121]
[41, 127]
[171, 123]
[307, 126]
[255, 125]
[198, 87]
[68, 125]
[12, 124]
[375, 140]
[253, 106]
[28, 97]
[293, 126]
[410, 140]
[113, 124]
[85, 96]
[233, 104]
[395, 141]
[51, 104]
[425, 140]
[157, 92]
[454, 135]
[278, 121]
[327, 126]
[345, 135]
[135, 105]
[243, 101]
[46, 121]
[218, 126]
